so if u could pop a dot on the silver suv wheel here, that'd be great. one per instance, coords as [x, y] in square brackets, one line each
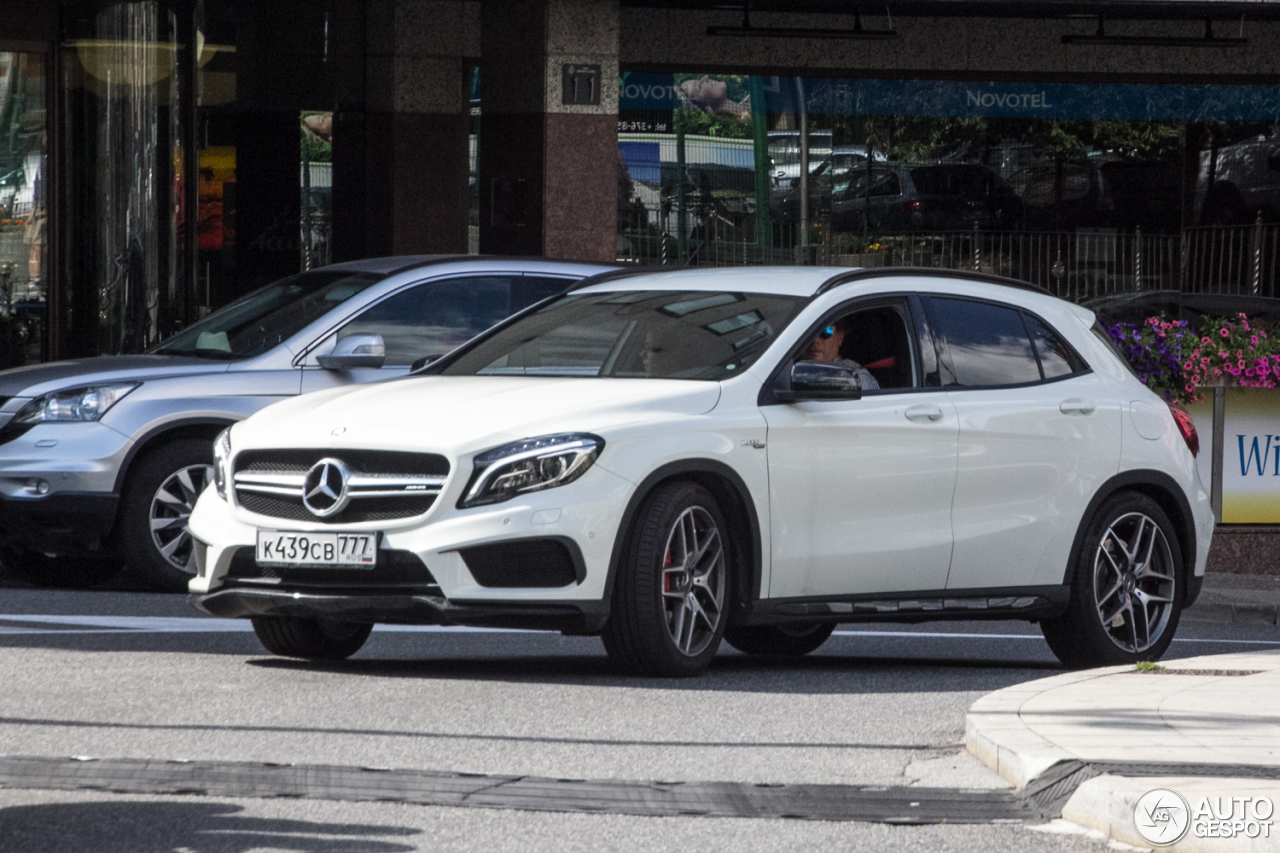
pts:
[171, 506]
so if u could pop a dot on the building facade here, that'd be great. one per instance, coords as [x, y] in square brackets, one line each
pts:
[159, 158]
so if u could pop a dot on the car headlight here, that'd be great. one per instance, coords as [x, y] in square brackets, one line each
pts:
[222, 462]
[73, 404]
[530, 465]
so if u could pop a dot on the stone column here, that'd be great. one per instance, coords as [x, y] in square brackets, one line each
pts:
[548, 167]
[402, 162]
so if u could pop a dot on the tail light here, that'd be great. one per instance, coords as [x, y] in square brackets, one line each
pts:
[909, 207]
[1187, 427]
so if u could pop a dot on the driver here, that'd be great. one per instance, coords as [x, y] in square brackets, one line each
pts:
[825, 348]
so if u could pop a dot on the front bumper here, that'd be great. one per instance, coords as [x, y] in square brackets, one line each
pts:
[60, 523]
[412, 609]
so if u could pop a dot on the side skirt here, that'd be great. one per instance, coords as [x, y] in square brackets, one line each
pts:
[1026, 603]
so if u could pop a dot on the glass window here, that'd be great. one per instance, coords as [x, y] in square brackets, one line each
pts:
[538, 288]
[988, 343]
[433, 318]
[257, 322]
[878, 341]
[637, 334]
[1056, 358]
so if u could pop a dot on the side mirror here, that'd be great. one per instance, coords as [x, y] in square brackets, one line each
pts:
[355, 351]
[816, 380]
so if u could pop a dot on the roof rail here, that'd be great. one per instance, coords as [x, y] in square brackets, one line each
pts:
[929, 272]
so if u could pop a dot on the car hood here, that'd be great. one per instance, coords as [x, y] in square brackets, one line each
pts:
[463, 413]
[36, 379]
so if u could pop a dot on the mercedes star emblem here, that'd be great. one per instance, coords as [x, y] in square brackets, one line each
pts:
[324, 492]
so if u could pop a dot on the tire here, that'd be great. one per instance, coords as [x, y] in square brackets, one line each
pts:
[63, 571]
[667, 612]
[163, 487]
[1127, 588]
[311, 639]
[790, 639]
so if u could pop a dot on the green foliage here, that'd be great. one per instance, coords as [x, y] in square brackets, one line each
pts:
[698, 123]
[1147, 666]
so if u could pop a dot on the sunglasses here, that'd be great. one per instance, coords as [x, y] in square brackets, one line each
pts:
[826, 333]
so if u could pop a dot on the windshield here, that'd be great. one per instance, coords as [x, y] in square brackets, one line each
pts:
[255, 323]
[656, 334]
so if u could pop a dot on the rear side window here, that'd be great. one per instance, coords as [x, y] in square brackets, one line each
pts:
[988, 343]
[1056, 358]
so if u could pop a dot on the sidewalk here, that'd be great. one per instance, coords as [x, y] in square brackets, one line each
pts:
[1207, 728]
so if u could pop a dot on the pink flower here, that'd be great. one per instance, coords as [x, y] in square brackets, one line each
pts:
[1223, 332]
[1204, 341]
[1254, 340]
[1186, 365]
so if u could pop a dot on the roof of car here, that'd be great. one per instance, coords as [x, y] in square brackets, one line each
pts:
[404, 263]
[794, 281]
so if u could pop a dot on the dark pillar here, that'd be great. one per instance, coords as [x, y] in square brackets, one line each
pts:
[548, 166]
[402, 163]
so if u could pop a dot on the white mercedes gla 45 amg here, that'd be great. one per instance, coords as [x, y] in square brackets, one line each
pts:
[755, 455]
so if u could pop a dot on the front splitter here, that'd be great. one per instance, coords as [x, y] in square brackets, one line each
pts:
[241, 603]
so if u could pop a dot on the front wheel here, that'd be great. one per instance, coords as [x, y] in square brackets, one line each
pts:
[792, 639]
[667, 614]
[1126, 592]
[159, 496]
[310, 639]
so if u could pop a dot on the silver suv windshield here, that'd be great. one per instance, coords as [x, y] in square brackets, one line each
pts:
[255, 323]
[645, 334]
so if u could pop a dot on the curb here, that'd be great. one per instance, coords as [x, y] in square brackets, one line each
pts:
[995, 733]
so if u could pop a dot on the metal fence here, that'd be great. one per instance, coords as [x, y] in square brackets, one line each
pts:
[1077, 265]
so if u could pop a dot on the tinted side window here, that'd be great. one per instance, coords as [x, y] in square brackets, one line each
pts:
[433, 318]
[988, 343]
[1056, 358]
[538, 288]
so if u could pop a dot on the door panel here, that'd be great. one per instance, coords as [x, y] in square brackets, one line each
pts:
[1030, 459]
[860, 494]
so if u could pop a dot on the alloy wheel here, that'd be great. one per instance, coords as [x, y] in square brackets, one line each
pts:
[693, 580]
[1134, 582]
[171, 508]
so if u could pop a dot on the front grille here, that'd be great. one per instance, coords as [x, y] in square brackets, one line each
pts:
[382, 485]
[374, 462]
[369, 509]
[394, 568]
[523, 563]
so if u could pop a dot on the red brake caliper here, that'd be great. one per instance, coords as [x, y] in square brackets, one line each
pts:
[666, 577]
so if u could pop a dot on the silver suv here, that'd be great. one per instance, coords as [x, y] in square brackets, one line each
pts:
[101, 459]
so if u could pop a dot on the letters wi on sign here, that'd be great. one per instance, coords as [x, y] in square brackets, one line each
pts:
[1251, 457]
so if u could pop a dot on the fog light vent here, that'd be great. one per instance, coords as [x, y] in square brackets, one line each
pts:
[525, 563]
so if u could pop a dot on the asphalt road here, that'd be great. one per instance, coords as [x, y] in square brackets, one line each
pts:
[135, 675]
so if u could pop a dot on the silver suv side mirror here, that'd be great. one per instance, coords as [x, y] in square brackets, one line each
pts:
[816, 380]
[355, 351]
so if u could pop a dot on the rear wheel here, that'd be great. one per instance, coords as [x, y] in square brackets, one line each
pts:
[312, 639]
[667, 615]
[1126, 593]
[789, 639]
[159, 496]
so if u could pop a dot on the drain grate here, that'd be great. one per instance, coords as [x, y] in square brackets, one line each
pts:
[609, 796]
[1041, 800]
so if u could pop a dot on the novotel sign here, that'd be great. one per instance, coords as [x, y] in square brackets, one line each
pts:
[1007, 100]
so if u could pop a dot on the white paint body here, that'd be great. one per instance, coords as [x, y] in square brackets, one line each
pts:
[852, 497]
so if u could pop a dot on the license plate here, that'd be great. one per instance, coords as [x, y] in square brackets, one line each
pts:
[281, 548]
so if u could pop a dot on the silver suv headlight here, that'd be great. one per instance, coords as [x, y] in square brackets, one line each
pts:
[222, 462]
[530, 465]
[73, 404]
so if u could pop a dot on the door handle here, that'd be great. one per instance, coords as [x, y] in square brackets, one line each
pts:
[1077, 406]
[924, 410]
